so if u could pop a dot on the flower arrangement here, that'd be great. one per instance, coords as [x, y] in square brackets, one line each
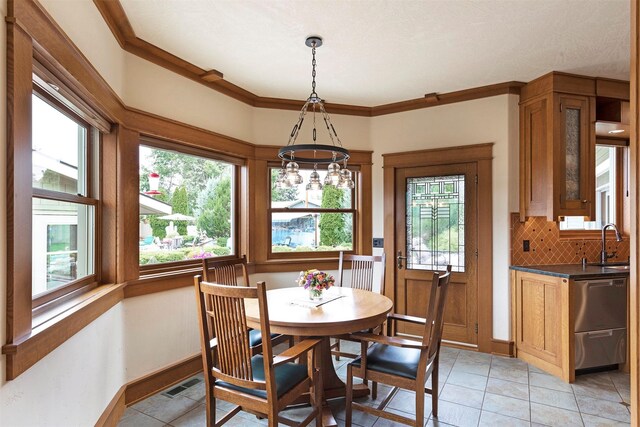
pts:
[315, 281]
[202, 255]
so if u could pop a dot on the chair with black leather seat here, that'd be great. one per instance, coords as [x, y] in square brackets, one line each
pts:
[401, 362]
[363, 276]
[260, 384]
[233, 272]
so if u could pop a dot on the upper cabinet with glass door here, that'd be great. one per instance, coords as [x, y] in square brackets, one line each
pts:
[558, 143]
[573, 153]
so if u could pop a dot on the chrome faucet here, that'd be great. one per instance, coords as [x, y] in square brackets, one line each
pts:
[604, 256]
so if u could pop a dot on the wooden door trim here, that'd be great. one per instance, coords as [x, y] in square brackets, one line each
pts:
[482, 155]
[634, 298]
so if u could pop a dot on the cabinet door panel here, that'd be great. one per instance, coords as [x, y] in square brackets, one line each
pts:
[574, 156]
[540, 313]
[534, 164]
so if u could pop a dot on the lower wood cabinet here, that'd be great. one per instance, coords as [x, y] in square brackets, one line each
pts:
[543, 332]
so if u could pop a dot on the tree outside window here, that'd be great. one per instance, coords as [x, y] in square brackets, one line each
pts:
[191, 217]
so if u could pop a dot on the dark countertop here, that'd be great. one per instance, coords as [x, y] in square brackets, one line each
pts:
[573, 271]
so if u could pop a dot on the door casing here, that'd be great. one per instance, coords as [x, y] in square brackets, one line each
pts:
[481, 154]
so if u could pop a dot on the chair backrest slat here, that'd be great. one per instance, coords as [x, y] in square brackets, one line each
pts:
[225, 272]
[435, 312]
[362, 271]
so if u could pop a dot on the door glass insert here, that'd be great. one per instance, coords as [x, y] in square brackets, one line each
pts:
[435, 223]
[572, 136]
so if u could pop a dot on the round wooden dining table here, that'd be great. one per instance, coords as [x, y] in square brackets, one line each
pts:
[291, 313]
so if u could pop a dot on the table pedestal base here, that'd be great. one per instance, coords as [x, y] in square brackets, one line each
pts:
[332, 385]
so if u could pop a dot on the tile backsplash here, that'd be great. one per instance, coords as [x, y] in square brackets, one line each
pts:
[545, 246]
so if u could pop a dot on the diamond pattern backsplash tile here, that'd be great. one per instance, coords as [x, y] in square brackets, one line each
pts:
[547, 248]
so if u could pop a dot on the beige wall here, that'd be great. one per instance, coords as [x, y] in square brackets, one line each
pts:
[466, 123]
[159, 91]
[74, 383]
[83, 23]
[160, 329]
[143, 334]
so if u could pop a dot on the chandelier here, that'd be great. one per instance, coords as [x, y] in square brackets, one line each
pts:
[317, 154]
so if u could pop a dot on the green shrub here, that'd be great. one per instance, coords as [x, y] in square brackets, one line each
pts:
[222, 251]
[157, 257]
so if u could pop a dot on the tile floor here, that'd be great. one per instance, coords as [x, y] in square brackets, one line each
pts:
[476, 390]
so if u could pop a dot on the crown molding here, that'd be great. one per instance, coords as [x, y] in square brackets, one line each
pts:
[118, 22]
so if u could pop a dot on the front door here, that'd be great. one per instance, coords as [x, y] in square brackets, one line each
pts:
[436, 225]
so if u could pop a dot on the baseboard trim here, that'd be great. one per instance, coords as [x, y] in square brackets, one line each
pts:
[113, 412]
[154, 382]
[503, 348]
[148, 385]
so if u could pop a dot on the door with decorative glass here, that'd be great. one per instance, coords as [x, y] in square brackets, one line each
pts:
[437, 226]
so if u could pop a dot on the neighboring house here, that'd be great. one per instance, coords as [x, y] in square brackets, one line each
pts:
[56, 256]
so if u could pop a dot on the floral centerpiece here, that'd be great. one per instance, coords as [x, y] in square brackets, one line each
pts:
[315, 281]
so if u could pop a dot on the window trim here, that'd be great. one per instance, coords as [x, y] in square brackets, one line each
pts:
[622, 193]
[34, 333]
[45, 81]
[179, 267]
[311, 254]
[257, 197]
[59, 296]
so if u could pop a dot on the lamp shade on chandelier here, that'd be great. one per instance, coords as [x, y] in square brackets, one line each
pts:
[332, 154]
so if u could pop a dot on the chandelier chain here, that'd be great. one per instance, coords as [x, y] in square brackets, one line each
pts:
[313, 71]
[333, 135]
[296, 128]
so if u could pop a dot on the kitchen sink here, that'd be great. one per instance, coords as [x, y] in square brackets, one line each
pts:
[611, 264]
[617, 267]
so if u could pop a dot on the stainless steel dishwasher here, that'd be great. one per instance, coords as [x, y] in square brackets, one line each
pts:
[600, 308]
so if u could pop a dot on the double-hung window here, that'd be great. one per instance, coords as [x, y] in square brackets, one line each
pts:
[65, 199]
[317, 221]
[187, 205]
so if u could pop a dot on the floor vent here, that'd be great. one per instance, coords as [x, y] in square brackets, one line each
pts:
[180, 388]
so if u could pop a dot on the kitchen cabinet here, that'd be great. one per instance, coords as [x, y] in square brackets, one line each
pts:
[574, 155]
[543, 334]
[557, 147]
[552, 309]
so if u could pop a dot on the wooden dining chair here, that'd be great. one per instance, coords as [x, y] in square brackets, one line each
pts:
[363, 276]
[233, 272]
[400, 362]
[260, 384]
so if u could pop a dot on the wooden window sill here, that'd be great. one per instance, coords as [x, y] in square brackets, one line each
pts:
[295, 264]
[55, 327]
[183, 277]
[162, 281]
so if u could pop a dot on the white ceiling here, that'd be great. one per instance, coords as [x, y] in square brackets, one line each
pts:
[381, 51]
